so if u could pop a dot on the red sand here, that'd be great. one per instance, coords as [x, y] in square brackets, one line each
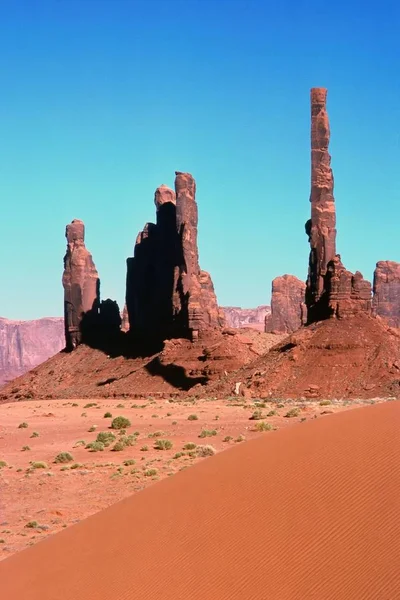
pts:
[309, 512]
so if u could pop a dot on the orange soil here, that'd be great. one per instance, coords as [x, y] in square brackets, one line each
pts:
[307, 512]
[58, 496]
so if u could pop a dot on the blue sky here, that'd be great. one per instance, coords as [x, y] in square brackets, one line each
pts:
[102, 100]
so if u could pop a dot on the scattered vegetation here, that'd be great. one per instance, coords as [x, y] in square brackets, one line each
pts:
[90, 404]
[293, 412]
[155, 434]
[107, 415]
[105, 438]
[325, 402]
[92, 428]
[23, 425]
[271, 413]
[163, 445]
[120, 423]
[63, 457]
[75, 404]
[174, 422]
[150, 473]
[2, 464]
[204, 451]
[129, 463]
[178, 455]
[25, 448]
[120, 405]
[228, 438]
[190, 446]
[35, 434]
[263, 426]
[144, 448]
[240, 438]
[32, 524]
[79, 443]
[207, 433]
[257, 415]
[95, 446]
[193, 418]
[39, 464]
[76, 466]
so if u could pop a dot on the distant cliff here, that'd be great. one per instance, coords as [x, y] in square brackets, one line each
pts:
[246, 317]
[26, 344]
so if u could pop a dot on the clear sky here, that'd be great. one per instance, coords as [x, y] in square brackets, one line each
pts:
[102, 100]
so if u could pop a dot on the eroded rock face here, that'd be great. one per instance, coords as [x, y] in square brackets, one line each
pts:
[237, 317]
[81, 283]
[349, 294]
[386, 300]
[321, 228]
[26, 344]
[288, 309]
[167, 294]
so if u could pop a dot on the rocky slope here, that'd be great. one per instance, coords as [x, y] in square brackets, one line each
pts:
[26, 344]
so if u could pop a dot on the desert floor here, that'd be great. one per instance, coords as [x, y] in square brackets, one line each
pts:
[39, 500]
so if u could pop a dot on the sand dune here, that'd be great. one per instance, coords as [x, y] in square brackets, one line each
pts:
[307, 512]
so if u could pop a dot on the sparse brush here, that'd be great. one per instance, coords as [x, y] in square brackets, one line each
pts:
[228, 438]
[23, 425]
[163, 445]
[107, 415]
[263, 426]
[144, 448]
[25, 448]
[271, 413]
[105, 437]
[90, 404]
[178, 455]
[207, 433]
[204, 451]
[120, 423]
[3, 463]
[257, 415]
[189, 446]
[193, 418]
[120, 406]
[75, 404]
[150, 473]
[79, 443]
[92, 428]
[35, 434]
[174, 422]
[240, 438]
[63, 457]
[95, 447]
[293, 412]
[118, 447]
[39, 464]
[129, 463]
[76, 466]
[325, 402]
[155, 434]
[32, 524]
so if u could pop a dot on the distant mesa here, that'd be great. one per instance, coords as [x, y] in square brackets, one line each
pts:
[237, 317]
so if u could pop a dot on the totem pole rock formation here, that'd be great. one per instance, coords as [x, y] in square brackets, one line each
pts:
[81, 283]
[167, 294]
[288, 309]
[331, 290]
[321, 228]
[386, 300]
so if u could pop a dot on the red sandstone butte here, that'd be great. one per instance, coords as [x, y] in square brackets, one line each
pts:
[386, 301]
[167, 294]
[81, 283]
[288, 309]
[349, 294]
[321, 227]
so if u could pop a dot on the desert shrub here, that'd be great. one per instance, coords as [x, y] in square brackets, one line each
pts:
[35, 434]
[107, 415]
[23, 425]
[79, 443]
[169, 414]
[129, 463]
[128, 440]
[155, 434]
[76, 466]
[205, 450]
[90, 404]
[39, 464]
[271, 413]
[32, 524]
[3, 463]
[193, 418]
[228, 438]
[163, 445]
[120, 406]
[118, 446]
[178, 455]
[325, 403]
[150, 473]
[144, 448]
[154, 416]
[257, 415]
[105, 437]
[240, 438]
[280, 405]
[207, 433]
[75, 404]
[174, 422]
[120, 423]
[63, 457]
[263, 426]
[83, 414]
[25, 448]
[293, 412]
[92, 428]
[95, 447]
[189, 446]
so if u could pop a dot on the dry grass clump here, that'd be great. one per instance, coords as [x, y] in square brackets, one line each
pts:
[38, 464]
[120, 423]
[163, 445]
[293, 412]
[23, 425]
[204, 451]
[63, 457]
[105, 437]
[263, 426]
[208, 433]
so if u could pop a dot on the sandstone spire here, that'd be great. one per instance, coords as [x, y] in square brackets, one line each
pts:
[288, 310]
[81, 283]
[386, 301]
[321, 227]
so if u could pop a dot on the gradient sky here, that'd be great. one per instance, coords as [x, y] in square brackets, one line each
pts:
[102, 100]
